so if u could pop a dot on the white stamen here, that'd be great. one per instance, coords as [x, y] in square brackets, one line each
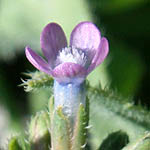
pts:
[73, 55]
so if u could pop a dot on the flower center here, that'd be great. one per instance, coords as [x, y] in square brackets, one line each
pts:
[73, 55]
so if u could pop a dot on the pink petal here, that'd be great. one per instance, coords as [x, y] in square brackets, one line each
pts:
[37, 61]
[86, 36]
[100, 54]
[69, 72]
[52, 40]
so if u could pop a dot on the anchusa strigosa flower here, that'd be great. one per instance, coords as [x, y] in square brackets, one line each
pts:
[69, 65]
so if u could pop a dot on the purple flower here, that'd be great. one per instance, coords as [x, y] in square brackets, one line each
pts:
[86, 51]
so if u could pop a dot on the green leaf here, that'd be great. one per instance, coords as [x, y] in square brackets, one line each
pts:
[109, 112]
[143, 143]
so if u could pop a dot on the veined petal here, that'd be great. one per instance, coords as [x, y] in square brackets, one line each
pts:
[100, 54]
[52, 39]
[86, 36]
[37, 61]
[69, 72]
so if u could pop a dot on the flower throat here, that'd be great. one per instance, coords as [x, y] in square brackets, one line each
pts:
[73, 55]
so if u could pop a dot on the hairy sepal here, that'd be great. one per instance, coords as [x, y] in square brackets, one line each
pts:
[60, 130]
[79, 138]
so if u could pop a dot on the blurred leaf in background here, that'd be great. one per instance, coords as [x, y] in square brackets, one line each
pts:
[22, 21]
[117, 6]
[127, 27]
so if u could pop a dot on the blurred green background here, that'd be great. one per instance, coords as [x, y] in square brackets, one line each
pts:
[126, 24]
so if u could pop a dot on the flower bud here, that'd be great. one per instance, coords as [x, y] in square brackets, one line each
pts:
[14, 144]
[39, 135]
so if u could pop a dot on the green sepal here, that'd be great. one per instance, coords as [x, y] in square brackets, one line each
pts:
[51, 106]
[37, 80]
[79, 139]
[143, 143]
[60, 131]
[39, 135]
[115, 141]
[14, 144]
[87, 111]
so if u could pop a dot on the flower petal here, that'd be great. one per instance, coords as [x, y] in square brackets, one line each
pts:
[52, 40]
[86, 36]
[69, 72]
[37, 61]
[100, 55]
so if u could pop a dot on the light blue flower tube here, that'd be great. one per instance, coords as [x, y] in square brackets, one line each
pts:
[69, 96]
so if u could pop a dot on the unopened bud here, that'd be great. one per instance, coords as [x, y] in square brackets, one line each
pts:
[39, 132]
[14, 144]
